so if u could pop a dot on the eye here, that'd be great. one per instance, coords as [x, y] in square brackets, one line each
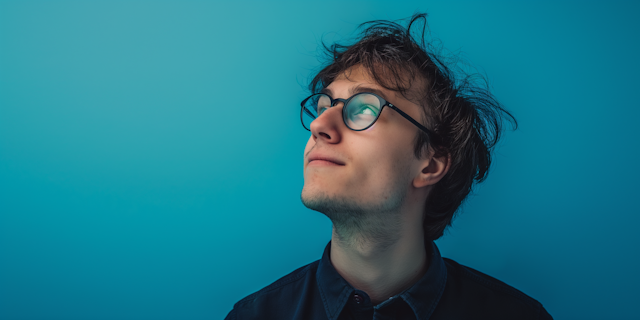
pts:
[366, 110]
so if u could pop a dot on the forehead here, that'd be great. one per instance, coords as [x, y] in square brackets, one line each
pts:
[358, 77]
[354, 76]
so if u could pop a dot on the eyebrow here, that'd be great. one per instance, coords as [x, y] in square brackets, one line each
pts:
[357, 89]
[361, 88]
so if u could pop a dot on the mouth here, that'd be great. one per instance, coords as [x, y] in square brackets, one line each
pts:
[324, 161]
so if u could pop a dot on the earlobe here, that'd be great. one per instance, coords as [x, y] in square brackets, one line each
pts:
[433, 170]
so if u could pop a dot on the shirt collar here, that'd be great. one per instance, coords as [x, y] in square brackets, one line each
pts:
[422, 297]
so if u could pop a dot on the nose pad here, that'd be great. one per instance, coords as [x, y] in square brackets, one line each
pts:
[338, 100]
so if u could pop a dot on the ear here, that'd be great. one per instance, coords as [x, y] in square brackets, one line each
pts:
[433, 169]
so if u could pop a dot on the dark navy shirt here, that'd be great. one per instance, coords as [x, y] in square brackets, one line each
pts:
[448, 290]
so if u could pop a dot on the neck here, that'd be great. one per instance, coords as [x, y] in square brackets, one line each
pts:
[382, 269]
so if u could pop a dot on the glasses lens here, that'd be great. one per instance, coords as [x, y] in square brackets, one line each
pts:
[363, 109]
[313, 107]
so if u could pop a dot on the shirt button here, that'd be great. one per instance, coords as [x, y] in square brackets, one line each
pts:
[357, 298]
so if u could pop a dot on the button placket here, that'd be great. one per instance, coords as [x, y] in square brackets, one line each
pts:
[358, 299]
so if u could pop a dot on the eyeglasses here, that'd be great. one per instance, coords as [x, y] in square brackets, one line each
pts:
[358, 112]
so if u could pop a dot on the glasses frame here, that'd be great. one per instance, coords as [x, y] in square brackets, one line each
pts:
[383, 103]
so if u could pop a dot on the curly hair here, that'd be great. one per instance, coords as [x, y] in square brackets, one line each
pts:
[458, 107]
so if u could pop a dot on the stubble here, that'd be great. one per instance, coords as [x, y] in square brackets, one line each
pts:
[358, 223]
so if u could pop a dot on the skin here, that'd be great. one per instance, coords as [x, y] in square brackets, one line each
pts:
[374, 190]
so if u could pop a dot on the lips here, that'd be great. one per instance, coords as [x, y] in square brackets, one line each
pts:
[323, 158]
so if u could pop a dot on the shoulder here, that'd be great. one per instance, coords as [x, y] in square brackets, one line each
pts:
[284, 291]
[479, 293]
[483, 282]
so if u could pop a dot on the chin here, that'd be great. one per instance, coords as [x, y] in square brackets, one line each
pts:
[312, 194]
[316, 184]
[309, 192]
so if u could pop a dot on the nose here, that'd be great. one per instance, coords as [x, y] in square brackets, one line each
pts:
[327, 126]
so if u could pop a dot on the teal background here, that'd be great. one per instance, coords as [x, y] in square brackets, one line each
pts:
[151, 152]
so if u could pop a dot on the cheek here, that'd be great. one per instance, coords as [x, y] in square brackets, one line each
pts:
[385, 163]
[310, 144]
[370, 163]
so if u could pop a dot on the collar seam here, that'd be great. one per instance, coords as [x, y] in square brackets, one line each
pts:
[274, 286]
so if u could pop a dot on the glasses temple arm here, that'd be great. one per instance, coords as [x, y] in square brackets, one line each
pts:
[406, 116]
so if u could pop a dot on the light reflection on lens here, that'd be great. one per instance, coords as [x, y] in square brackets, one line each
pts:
[313, 108]
[362, 111]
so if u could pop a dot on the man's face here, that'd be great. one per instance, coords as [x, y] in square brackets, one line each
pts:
[364, 172]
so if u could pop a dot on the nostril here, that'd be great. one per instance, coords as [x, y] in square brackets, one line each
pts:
[324, 135]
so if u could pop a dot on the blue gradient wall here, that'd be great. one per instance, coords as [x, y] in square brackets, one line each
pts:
[151, 152]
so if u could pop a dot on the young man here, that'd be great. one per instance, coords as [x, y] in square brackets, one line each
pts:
[396, 143]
